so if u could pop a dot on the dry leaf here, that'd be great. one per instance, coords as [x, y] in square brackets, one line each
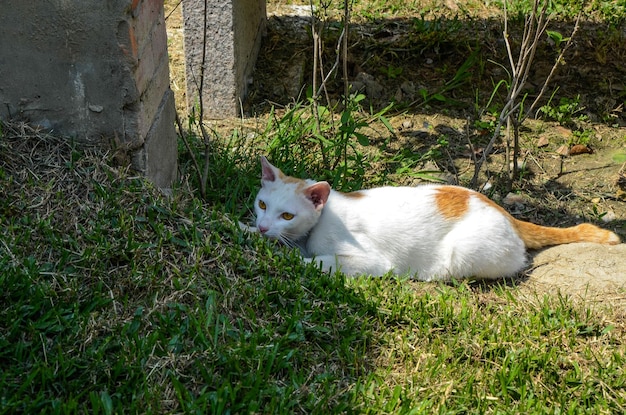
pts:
[580, 149]
[543, 141]
[565, 132]
[512, 198]
[563, 151]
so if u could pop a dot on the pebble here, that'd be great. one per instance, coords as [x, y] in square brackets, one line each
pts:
[609, 216]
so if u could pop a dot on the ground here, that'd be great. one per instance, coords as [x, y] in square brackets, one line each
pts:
[440, 66]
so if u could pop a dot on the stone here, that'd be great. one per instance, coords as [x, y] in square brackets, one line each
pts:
[229, 44]
[584, 270]
[95, 72]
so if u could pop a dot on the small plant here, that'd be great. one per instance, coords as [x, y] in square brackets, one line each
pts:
[557, 38]
[596, 213]
[460, 78]
[297, 136]
[582, 137]
[485, 127]
[566, 111]
[516, 109]
[392, 72]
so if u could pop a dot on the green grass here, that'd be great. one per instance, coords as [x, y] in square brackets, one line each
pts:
[607, 10]
[116, 298]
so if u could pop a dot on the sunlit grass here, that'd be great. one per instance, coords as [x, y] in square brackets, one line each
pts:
[119, 299]
[115, 298]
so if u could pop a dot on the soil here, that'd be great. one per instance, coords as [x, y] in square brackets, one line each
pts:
[440, 67]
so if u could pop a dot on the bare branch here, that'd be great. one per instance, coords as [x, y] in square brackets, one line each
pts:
[535, 26]
[558, 61]
[191, 153]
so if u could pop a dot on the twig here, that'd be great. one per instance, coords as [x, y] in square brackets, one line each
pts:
[316, 52]
[191, 154]
[344, 35]
[534, 28]
[553, 70]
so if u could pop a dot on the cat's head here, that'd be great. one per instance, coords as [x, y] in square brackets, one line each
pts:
[287, 208]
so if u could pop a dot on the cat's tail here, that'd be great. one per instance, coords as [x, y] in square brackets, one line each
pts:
[536, 236]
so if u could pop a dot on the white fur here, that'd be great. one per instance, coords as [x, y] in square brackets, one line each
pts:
[397, 229]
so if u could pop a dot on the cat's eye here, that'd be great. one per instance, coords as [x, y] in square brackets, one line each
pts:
[262, 204]
[287, 216]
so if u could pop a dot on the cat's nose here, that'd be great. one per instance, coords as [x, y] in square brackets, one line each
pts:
[262, 229]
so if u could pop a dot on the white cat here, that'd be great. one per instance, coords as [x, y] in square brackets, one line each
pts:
[432, 232]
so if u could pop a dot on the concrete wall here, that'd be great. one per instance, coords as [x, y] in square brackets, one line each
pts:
[92, 70]
[233, 36]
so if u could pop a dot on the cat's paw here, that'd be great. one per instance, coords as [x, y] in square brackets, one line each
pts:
[247, 228]
[325, 263]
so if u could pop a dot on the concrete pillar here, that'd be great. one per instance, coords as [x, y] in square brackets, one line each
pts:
[233, 36]
[93, 70]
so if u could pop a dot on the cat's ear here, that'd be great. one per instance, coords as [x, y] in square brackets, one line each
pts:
[318, 194]
[268, 172]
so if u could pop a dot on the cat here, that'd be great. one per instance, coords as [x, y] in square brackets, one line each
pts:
[431, 232]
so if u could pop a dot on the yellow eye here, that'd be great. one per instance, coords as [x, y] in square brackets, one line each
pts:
[287, 216]
[262, 204]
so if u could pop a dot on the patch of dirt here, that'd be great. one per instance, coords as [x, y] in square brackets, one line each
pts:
[439, 65]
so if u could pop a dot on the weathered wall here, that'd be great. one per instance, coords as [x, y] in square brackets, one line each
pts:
[92, 70]
[233, 36]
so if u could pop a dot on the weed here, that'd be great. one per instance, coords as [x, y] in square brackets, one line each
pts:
[566, 112]
[392, 72]
[557, 38]
[340, 142]
[596, 214]
[405, 163]
[485, 127]
[562, 8]
[581, 137]
[461, 77]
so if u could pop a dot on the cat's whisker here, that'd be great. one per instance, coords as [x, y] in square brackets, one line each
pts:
[287, 240]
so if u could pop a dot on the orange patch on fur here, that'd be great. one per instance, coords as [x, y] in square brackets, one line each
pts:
[452, 201]
[536, 236]
[354, 195]
[288, 179]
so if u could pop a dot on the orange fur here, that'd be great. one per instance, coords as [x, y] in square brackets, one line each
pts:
[535, 236]
[354, 195]
[288, 179]
[452, 201]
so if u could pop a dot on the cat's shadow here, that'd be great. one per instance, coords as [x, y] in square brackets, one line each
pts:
[488, 285]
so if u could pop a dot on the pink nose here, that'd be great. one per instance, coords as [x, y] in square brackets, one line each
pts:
[262, 229]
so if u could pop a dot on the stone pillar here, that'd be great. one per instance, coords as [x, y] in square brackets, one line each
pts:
[233, 36]
[93, 70]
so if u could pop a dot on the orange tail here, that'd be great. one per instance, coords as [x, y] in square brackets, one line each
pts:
[536, 236]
